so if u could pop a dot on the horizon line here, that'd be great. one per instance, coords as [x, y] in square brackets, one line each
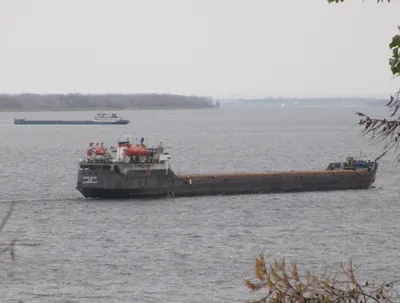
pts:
[227, 97]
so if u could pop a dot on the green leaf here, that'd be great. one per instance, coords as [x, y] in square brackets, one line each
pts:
[396, 53]
[395, 41]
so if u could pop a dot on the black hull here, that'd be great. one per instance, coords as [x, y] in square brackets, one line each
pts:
[207, 190]
[152, 177]
[124, 182]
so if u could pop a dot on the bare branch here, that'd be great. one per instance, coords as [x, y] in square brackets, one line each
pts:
[3, 223]
[8, 215]
[384, 129]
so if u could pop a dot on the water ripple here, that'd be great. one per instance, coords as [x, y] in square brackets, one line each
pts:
[189, 249]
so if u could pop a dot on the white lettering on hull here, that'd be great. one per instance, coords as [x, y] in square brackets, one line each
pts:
[89, 179]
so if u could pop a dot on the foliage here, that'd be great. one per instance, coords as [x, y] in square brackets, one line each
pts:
[387, 130]
[283, 284]
[394, 61]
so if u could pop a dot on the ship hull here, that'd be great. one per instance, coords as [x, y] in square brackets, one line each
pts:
[64, 122]
[108, 184]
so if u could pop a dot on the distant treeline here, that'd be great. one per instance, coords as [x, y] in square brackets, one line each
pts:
[107, 101]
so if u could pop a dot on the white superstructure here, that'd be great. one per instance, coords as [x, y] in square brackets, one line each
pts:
[104, 117]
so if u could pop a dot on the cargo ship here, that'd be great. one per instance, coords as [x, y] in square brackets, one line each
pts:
[99, 119]
[136, 171]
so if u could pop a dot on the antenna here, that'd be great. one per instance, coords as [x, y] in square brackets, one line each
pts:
[126, 137]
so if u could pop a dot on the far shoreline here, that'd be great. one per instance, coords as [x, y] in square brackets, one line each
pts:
[21, 110]
[103, 102]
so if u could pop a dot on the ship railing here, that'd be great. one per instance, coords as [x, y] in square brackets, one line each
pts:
[113, 162]
[356, 165]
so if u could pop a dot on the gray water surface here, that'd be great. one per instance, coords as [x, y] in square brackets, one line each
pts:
[188, 249]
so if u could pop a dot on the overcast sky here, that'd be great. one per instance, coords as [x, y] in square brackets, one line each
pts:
[255, 48]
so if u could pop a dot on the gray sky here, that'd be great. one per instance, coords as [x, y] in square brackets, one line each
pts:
[256, 48]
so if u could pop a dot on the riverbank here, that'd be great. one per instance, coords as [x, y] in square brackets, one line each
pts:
[107, 102]
[99, 109]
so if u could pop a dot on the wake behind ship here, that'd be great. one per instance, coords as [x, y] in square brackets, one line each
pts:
[99, 119]
[136, 171]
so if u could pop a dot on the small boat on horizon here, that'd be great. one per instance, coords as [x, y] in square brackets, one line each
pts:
[99, 119]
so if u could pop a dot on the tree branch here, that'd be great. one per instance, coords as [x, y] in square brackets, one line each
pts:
[2, 225]
[316, 289]
[8, 215]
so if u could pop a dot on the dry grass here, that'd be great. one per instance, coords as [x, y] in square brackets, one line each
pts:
[281, 283]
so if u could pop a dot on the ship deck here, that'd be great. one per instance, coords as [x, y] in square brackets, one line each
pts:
[274, 174]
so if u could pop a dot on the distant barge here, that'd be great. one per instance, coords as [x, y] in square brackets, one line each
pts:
[99, 119]
[135, 171]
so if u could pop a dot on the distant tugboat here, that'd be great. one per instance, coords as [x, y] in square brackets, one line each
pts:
[99, 119]
[136, 171]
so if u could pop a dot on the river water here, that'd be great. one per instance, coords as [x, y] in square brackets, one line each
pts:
[70, 249]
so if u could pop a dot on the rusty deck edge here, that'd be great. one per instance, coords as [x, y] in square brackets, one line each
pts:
[276, 174]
